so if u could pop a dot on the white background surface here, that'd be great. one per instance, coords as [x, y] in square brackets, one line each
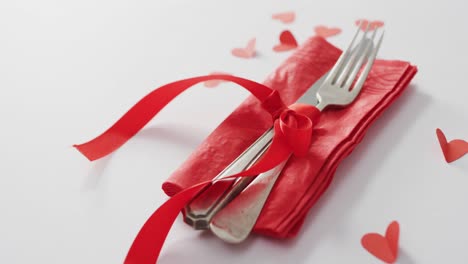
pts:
[69, 69]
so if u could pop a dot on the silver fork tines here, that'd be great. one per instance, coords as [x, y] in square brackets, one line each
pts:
[370, 61]
[358, 55]
[347, 67]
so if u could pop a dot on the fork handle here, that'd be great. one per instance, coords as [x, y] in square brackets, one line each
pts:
[234, 222]
[199, 212]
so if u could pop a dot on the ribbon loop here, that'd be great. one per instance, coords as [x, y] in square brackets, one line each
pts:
[293, 128]
[296, 124]
[297, 131]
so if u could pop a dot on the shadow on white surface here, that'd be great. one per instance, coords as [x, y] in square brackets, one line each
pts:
[96, 173]
[175, 134]
[404, 257]
[260, 249]
[178, 136]
[461, 164]
[404, 111]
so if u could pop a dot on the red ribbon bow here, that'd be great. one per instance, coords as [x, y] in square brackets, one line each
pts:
[293, 127]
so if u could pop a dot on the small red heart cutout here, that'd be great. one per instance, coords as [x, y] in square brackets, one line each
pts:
[373, 24]
[214, 83]
[383, 248]
[326, 32]
[287, 42]
[286, 17]
[247, 52]
[452, 150]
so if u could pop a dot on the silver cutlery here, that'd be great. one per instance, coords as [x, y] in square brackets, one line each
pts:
[234, 222]
[202, 209]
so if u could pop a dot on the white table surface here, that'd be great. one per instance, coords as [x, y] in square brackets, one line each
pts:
[69, 69]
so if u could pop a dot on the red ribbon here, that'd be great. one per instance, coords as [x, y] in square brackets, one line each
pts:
[293, 128]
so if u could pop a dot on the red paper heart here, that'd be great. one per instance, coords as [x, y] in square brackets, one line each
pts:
[286, 17]
[373, 24]
[247, 52]
[287, 42]
[214, 83]
[326, 32]
[384, 248]
[452, 150]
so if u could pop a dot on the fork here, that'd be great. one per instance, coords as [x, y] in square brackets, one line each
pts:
[202, 209]
[234, 222]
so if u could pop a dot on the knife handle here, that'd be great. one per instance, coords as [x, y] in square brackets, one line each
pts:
[199, 212]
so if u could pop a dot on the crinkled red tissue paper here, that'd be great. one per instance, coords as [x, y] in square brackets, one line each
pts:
[304, 179]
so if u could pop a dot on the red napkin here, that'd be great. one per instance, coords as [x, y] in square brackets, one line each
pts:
[304, 179]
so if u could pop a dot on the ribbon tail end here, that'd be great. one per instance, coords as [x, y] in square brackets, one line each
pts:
[88, 155]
